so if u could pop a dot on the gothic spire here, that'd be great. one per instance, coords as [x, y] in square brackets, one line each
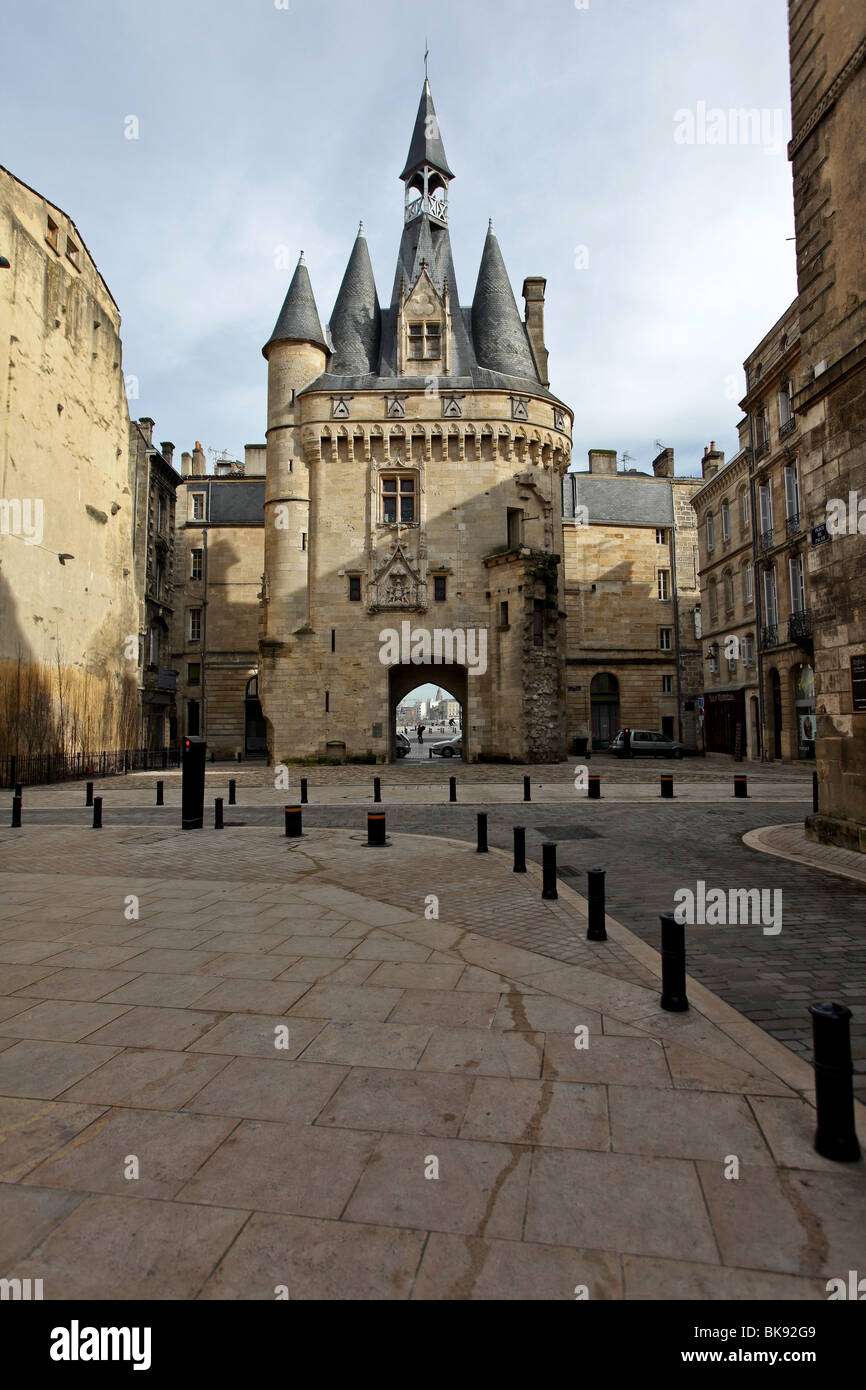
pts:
[299, 318]
[426, 145]
[498, 334]
[356, 320]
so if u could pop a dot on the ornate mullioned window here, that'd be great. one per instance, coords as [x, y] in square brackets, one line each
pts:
[399, 498]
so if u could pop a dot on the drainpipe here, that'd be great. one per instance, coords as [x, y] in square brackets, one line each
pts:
[758, 589]
[204, 630]
[672, 546]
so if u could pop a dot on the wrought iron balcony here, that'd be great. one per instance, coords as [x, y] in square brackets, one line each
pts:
[800, 626]
[766, 539]
[762, 448]
[787, 426]
[770, 636]
[792, 525]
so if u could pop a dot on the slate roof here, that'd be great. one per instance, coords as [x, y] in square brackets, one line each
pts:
[424, 149]
[489, 345]
[497, 328]
[356, 322]
[620, 499]
[299, 318]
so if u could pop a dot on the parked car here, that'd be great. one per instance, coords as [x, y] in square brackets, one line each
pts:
[645, 743]
[402, 745]
[451, 748]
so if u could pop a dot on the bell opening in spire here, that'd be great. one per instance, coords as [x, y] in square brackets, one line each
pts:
[427, 194]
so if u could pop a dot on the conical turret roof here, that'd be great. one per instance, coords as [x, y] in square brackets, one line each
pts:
[299, 318]
[498, 334]
[356, 321]
[426, 144]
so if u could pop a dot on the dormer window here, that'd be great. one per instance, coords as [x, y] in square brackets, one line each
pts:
[425, 341]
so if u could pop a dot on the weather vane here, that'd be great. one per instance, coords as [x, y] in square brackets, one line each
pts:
[426, 56]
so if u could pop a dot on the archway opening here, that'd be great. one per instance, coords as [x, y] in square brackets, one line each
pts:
[255, 730]
[432, 700]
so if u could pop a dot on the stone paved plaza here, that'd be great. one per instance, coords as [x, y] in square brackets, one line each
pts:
[648, 847]
[285, 1050]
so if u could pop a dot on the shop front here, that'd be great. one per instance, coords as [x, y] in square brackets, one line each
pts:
[725, 721]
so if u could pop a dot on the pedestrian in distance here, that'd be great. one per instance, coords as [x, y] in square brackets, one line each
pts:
[421, 728]
[626, 743]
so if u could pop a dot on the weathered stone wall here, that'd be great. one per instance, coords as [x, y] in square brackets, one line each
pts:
[828, 87]
[64, 451]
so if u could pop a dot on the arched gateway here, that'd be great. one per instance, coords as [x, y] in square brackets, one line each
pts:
[413, 501]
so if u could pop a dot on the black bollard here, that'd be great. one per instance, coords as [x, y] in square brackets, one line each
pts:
[97, 813]
[303, 791]
[482, 832]
[527, 791]
[233, 792]
[218, 813]
[836, 1135]
[376, 827]
[595, 928]
[88, 793]
[16, 812]
[741, 786]
[667, 785]
[293, 822]
[377, 789]
[160, 793]
[815, 793]
[673, 965]
[519, 849]
[593, 788]
[18, 790]
[452, 788]
[192, 783]
[548, 868]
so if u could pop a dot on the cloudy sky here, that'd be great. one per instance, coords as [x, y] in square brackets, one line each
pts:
[267, 126]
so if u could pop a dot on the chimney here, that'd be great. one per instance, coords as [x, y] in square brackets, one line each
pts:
[712, 461]
[663, 464]
[199, 465]
[602, 461]
[533, 295]
[166, 448]
[145, 424]
[186, 465]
